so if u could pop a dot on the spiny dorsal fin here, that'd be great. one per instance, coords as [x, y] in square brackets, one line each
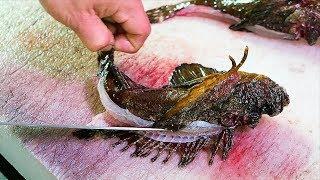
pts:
[189, 74]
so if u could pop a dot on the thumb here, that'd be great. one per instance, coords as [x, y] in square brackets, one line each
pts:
[93, 32]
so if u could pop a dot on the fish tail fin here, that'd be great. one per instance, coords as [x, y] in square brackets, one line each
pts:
[110, 71]
[105, 60]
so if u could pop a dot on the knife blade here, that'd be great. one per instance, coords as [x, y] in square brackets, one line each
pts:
[37, 125]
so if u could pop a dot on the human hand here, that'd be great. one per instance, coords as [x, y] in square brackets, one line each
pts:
[125, 25]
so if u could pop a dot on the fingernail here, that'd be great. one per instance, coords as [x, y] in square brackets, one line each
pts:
[107, 48]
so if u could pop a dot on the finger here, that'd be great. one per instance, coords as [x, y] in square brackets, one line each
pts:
[111, 26]
[93, 33]
[134, 21]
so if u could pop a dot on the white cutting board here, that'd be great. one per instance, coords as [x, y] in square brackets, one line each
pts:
[53, 57]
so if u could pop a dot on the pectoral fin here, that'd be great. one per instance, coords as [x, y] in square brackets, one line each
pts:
[190, 74]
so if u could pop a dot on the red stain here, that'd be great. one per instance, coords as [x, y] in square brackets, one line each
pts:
[270, 150]
[149, 71]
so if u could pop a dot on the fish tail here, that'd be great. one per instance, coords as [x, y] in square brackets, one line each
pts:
[105, 60]
[110, 71]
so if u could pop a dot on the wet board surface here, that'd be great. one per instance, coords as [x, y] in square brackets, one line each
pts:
[46, 75]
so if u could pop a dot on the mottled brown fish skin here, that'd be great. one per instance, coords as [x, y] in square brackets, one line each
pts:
[297, 18]
[239, 100]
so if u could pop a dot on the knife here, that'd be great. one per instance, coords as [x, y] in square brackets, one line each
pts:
[54, 126]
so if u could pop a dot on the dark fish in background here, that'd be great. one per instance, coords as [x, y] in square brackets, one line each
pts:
[294, 19]
[200, 108]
